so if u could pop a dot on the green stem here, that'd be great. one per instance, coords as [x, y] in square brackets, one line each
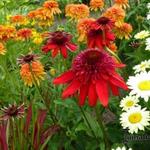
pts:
[53, 117]
[105, 135]
[110, 3]
[115, 55]
[12, 135]
[88, 123]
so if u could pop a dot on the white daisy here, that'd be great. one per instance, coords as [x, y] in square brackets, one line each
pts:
[129, 102]
[142, 66]
[135, 119]
[148, 5]
[140, 85]
[148, 16]
[121, 148]
[142, 35]
[147, 44]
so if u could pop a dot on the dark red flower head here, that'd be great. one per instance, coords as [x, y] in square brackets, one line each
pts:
[92, 75]
[59, 41]
[27, 58]
[105, 23]
[100, 34]
[13, 111]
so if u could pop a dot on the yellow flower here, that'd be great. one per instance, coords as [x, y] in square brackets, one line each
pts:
[123, 31]
[32, 73]
[2, 49]
[52, 72]
[77, 11]
[83, 27]
[37, 37]
[96, 4]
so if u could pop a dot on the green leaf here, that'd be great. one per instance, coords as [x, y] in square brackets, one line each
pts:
[94, 125]
[2, 73]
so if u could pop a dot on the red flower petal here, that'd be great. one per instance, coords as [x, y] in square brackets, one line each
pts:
[64, 51]
[48, 47]
[102, 92]
[92, 95]
[117, 80]
[54, 52]
[72, 88]
[114, 89]
[98, 42]
[83, 94]
[71, 46]
[65, 77]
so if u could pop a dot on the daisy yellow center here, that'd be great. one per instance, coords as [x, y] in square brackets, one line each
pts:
[143, 66]
[135, 118]
[129, 103]
[144, 85]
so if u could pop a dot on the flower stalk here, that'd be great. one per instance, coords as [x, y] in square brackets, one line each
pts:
[103, 128]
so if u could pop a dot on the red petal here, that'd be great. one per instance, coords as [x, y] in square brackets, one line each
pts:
[92, 95]
[114, 89]
[102, 92]
[71, 46]
[83, 94]
[110, 36]
[54, 52]
[91, 43]
[65, 77]
[64, 51]
[72, 88]
[117, 80]
[98, 41]
[46, 48]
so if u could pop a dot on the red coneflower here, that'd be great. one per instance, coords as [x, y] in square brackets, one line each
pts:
[100, 34]
[92, 74]
[59, 41]
[12, 111]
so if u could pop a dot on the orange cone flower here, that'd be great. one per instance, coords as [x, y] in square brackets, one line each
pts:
[96, 4]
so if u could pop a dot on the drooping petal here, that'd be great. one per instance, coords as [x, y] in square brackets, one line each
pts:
[102, 92]
[48, 47]
[119, 65]
[64, 51]
[117, 80]
[71, 46]
[65, 77]
[54, 52]
[114, 89]
[92, 95]
[72, 88]
[83, 94]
